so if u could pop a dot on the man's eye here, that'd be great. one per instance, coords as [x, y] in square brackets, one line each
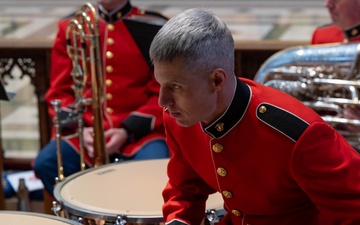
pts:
[175, 86]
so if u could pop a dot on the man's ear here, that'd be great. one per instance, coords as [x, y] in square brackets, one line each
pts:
[218, 78]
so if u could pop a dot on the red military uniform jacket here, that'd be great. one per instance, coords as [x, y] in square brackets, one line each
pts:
[333, 34]
[131, 90]
[274, 160]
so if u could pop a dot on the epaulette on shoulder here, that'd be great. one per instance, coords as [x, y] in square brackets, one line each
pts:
[150, 17]
[153, 13]
[281, 120]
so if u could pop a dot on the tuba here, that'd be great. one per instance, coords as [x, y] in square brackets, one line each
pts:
[83, 47]
[324, 77]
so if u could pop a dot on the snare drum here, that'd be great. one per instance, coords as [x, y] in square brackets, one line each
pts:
[28, 218]
[128, 191]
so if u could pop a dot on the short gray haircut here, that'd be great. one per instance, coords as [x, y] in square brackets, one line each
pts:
[198, 37]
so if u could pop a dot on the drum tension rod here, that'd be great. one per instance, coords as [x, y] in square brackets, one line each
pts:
[212, 216]
[56, 208]
[120, 220]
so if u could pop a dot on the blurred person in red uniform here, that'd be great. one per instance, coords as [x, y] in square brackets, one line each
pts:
[345, 27]
[274, 160]
[345, 24]
[132, 118]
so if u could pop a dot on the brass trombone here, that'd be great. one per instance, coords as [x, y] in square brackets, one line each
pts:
[83, 48]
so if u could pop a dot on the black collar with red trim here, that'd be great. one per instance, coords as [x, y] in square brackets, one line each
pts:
[115, 15]
[234, 112]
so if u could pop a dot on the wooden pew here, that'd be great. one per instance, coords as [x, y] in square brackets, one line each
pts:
[33, 59]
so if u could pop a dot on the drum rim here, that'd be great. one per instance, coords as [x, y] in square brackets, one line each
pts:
[47, 216]
[96, 215]
[110, 217]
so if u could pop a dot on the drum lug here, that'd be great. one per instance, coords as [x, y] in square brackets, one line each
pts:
[212, 216]
[56, 208]
[80, 220]
[120, 220]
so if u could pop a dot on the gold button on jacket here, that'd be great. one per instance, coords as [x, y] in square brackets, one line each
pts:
[109, 110]
[110, 27]
[236, 212]
[109, 69]
[221, 171]
[262, 109]
[217, 148]
[110, 41]
[227, 194]
[109, 55]
[108, 82]
[109, 96]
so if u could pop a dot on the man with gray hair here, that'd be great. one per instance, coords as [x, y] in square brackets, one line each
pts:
[274, 160]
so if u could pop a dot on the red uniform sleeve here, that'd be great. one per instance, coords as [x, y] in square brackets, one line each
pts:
[60, 79]
[186, 193]
[327, 168]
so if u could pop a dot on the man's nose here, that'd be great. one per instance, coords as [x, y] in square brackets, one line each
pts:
[163, 98]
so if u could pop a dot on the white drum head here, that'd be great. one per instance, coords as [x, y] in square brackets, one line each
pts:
[21, 218]
[132, 189]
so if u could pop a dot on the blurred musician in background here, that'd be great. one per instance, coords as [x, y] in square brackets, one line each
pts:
[345, 25]
[274, 160]
[132, 117]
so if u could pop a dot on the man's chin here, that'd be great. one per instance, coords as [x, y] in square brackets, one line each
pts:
[183, 123]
